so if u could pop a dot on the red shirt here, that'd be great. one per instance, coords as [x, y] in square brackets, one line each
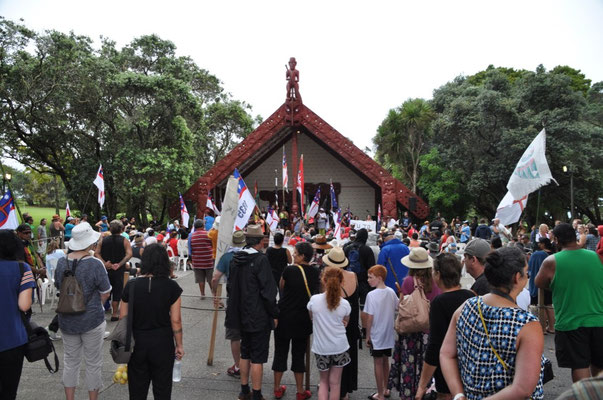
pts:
[173, 243]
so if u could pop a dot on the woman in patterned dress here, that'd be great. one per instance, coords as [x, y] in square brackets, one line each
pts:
[407, 359]
[493, 346]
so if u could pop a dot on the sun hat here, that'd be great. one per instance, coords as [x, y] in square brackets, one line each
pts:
[335, 258]
[478, 248]
[320, 242]
[254, 231]
[82, 236]
[238, 239]
[418, 259]
[56, 217]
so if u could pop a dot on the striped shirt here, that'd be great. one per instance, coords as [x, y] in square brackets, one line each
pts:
[201, 250]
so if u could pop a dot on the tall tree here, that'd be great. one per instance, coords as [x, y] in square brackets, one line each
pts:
[149, 117]
[401, 139]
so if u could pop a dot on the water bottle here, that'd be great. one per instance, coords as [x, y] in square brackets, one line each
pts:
[177, 371]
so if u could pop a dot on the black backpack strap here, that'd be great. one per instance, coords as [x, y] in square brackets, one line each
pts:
[56, 359]
[130, 316]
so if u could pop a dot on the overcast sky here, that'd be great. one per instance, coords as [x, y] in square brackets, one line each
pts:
[357, 59]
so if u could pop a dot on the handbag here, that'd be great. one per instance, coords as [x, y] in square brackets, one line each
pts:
[122, 342]
[413, 311]
[71, 297]
[38, 345]
[548, 374]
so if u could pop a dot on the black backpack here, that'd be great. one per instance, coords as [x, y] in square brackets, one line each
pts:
[353, 255]
[38, 345]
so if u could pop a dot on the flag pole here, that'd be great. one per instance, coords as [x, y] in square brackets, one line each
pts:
[87, 197]
[538, 208]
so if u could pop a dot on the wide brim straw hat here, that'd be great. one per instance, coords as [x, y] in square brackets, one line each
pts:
[335, 258]
[82, 236]
[418, 259]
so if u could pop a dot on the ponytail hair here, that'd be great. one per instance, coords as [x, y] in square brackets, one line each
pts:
[332, 278]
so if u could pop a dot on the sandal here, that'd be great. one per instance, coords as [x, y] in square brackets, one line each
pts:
[280, 392]
[306, 394]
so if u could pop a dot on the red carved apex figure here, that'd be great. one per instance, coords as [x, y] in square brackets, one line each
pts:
[293, 101]
[292, 77]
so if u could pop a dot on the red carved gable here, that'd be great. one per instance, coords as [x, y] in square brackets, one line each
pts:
[392, 190]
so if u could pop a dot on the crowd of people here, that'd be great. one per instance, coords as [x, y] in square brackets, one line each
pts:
[321, 295]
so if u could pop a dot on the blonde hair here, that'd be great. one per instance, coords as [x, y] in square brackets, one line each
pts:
[332, 278]
[53, 245]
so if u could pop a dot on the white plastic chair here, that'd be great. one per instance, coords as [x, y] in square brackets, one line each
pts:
[171, 255]
[182, 254]
[134, 263]
[51, 266]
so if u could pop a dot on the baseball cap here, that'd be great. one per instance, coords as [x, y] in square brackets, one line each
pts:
[478, 248]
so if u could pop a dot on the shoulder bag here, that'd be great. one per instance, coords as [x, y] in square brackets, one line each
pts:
[301, 269]
[71, 296]
[122, 342]
[548, 374]
[413, 311]
[38, 345]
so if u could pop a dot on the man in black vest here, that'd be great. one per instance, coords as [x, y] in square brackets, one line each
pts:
[114, 251]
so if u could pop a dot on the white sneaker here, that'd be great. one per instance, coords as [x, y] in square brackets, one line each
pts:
[53, 335]
[106, 334]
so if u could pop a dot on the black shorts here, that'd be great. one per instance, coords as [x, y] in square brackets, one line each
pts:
[116, 279]
[548, 298]
[254, 346]
[579, 348]
[381, 353]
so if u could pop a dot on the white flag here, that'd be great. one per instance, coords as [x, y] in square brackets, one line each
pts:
[532, 170]
[246, 203]
[272, 219]
[509, 210]
[99, 182]
[229, 213]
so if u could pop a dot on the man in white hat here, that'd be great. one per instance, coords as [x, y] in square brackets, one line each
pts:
[252, 309]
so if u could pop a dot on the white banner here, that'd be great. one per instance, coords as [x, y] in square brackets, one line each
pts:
[370, 226]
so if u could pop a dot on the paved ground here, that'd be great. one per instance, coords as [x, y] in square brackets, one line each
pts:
[201, 381]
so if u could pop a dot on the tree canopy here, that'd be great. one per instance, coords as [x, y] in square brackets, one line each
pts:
[154, 120]
[482, 124]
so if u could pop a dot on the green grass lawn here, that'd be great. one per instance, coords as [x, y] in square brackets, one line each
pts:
[40, 212]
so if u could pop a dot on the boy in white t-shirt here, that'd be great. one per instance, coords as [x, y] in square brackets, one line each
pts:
[379, 309]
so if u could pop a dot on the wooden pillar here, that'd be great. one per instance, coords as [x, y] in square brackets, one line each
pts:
[295, 171]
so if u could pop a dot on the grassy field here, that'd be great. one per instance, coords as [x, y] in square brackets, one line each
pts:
[38, 213]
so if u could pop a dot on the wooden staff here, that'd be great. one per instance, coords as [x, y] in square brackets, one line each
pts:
[212, 340]
[391, 267]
